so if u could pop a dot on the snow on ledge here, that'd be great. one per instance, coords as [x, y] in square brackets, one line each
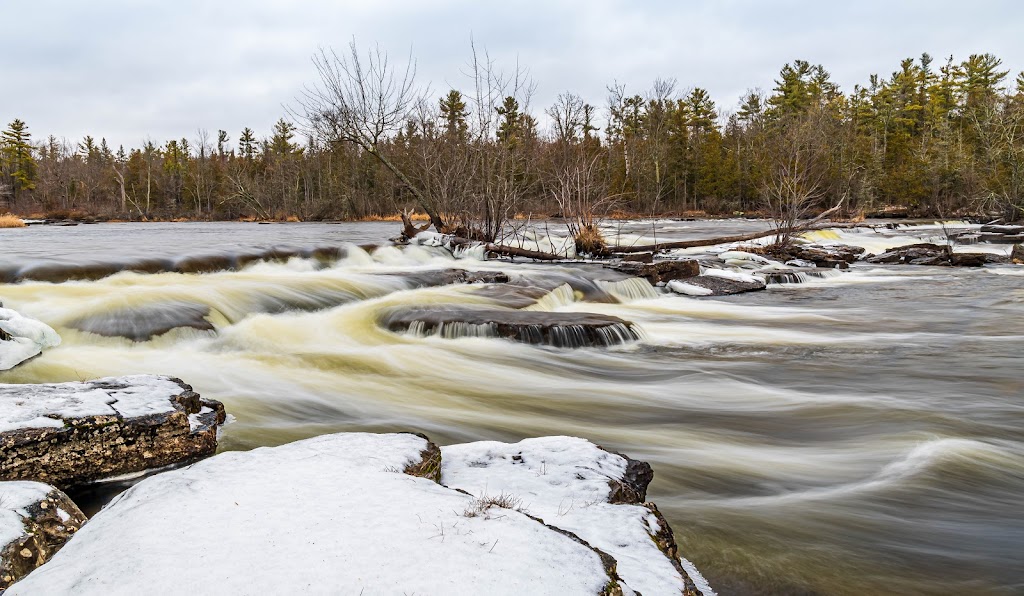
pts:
[29, 338]
[49, 405]
[329, 515]
[566, 482]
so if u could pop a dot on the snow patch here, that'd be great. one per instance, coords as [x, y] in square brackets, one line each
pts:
[681, 287]
[732, 275]
[29, 338]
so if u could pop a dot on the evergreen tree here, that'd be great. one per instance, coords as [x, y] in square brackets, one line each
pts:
[17, 164]
[247, 143]
[454, 113]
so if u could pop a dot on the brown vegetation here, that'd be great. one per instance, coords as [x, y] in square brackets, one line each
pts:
[8, 220]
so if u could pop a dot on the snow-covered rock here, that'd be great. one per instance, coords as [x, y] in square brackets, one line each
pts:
[35, 521]
[718, 282]
[330, 515]
[575, 485]
[688, 289]
[22, 338]
[69, 433]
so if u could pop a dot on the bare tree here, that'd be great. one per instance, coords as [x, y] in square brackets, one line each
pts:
[364, 102]
[794, 172]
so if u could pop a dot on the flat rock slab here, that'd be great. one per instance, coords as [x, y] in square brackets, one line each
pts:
[559, 329]
[35, 521]
[67, 434]
[336, 514]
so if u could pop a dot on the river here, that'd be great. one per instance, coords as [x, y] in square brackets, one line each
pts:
[859, 434]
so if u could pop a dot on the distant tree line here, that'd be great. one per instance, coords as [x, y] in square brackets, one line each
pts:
[930, 139]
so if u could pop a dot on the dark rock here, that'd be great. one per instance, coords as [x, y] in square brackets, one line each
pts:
[447, 277]
[835, 256]
[1006, 230]
[67, 434]
[558, 329]
[42, 517]
[722, 286]
[934, 255]
[143, 323]
[662, 271]
[632, 487]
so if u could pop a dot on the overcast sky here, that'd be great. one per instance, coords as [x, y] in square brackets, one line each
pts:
[129, 70]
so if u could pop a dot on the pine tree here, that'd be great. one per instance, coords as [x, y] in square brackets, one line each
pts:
[247, 143]
[281, 140]
[17, 164]
[454, 113]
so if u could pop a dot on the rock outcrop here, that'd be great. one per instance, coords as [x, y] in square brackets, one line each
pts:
[660, 272]
[67, 434]
[934, 255]
[342, 514]
[35, 522]
[718, 282]
[558, 329]
[22, 338]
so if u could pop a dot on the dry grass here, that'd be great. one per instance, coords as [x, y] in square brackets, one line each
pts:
[393, 217]
[481, 505]
[590, 241]
[9, 220]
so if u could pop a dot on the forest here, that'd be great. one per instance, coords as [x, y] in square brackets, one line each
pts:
[930, 139]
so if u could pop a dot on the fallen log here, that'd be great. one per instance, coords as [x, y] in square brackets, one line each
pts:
[804, 227]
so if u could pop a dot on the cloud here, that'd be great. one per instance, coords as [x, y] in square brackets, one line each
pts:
[134, 70]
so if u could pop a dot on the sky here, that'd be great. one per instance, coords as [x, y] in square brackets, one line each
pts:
[131, 70]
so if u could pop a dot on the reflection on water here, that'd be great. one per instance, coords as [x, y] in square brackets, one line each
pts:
[860, 434]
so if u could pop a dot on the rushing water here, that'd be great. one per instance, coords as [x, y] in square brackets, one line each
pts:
[859, 434]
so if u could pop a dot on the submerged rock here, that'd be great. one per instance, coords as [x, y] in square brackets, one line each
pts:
[558, 329]
[22, 338]
[35, 521]
[447, 277]
[143, 323]
[336, 515]
[67, 434]
[660, 272]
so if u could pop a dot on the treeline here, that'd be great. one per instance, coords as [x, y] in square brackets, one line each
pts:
[930, 139]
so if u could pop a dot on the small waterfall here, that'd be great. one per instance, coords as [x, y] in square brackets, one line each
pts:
[561, 296]
[579, 330]
[798, 277]
[628, 290]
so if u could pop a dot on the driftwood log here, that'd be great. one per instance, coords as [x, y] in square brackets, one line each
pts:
[409, 231]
